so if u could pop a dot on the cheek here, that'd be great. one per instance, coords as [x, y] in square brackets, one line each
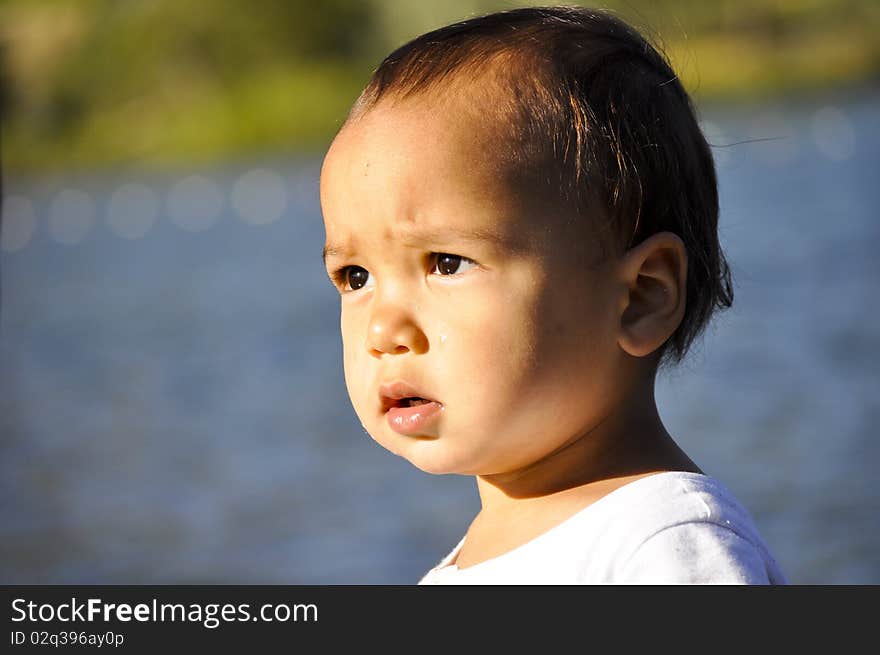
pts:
[538, 344]
[353, 354]
[490, 344]
[577, 314]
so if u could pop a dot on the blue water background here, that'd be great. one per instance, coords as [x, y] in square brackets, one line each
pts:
[173, 408]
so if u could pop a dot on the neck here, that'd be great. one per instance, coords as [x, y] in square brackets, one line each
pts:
[626, 444]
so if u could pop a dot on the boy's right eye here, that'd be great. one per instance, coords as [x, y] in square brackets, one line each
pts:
[353, 278]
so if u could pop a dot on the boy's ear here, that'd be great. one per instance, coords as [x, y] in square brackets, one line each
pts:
[655, 278]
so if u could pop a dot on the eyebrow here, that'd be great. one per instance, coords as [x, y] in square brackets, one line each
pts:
[331, 251]
[441, 235]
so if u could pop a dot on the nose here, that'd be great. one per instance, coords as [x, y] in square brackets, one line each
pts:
[394, 331]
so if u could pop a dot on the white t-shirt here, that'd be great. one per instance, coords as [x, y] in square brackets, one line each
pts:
[666, 528]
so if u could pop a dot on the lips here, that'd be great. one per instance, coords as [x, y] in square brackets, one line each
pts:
[408, 410]
[401, 394]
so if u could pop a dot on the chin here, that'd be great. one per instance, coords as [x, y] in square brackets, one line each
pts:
[434, 468]
[428, 454]
[432, 457]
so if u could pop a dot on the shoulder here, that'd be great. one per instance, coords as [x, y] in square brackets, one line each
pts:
[686, 528]
[700, 553]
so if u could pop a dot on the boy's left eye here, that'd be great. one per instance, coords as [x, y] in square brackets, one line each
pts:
[448, 264]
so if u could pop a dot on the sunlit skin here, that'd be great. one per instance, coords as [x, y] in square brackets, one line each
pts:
[500, 307]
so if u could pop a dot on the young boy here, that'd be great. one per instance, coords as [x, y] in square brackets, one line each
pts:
[521, 219]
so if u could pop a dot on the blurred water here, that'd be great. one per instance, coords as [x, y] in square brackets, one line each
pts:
[173, 409]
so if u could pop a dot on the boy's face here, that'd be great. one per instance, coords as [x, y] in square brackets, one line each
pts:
[457, 291]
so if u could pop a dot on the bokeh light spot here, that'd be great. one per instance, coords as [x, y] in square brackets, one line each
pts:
[19, 223]
[132, 210]
[259, 196]
[195, 203]
[71, 216]
[833, 133]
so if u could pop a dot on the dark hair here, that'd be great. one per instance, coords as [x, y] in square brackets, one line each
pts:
[589, 99]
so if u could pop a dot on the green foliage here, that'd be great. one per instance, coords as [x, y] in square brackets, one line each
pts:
[149, 82]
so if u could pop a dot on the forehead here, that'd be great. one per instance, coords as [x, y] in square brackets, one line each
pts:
[427, 160]
[404, 137]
